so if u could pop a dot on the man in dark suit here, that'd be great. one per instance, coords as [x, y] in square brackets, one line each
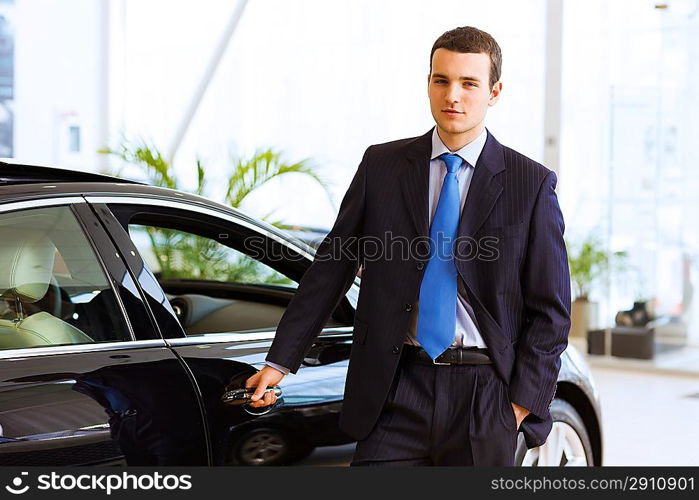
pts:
[453, 381]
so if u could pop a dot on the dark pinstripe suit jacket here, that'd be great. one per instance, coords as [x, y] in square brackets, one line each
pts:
[512, 266]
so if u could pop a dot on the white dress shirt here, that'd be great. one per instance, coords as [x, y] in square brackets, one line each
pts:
[465, 331]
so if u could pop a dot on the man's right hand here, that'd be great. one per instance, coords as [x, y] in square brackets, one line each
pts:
[267, 377]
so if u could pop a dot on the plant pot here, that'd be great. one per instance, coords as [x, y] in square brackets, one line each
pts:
[583, 318]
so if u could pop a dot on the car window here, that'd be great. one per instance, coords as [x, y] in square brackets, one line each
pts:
[173, 254]
[53, 290]
[212, 287]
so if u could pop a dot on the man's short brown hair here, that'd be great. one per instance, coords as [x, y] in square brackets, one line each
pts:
[470, 40]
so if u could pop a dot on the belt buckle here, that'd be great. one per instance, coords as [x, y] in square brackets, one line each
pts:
[434, 362]
[440, 364]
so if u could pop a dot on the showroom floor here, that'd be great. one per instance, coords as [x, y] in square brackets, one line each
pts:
[650, 418]
[671, 357]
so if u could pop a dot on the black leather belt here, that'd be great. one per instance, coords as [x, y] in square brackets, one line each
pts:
[455, 356]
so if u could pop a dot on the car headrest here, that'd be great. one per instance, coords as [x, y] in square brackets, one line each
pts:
[26, 263]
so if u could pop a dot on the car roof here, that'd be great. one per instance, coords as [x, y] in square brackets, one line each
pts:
[25, 182]
[15, 173]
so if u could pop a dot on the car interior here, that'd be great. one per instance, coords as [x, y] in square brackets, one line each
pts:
[201, 314]
[244, 293]
[52, 290]
[26, 264]
[209, 306]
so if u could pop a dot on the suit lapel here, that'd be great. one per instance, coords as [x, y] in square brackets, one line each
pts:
[415, 181]
[482, 193]
[484, 190]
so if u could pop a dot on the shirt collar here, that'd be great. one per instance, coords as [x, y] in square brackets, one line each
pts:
[470, 152]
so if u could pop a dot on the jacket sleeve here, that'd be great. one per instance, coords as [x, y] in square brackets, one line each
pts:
[546, 292]
[326, 281]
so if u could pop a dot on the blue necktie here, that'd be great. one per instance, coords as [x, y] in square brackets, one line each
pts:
[436, 319]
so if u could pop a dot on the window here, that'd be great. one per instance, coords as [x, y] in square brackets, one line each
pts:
[212, 287]
[53, 291]
[173, 254]
[74, 139]
[628, 156]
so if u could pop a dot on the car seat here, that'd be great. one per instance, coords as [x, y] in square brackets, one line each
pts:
[26, 265]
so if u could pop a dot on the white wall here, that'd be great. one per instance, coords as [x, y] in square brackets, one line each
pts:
[316, 79]
[58, 57]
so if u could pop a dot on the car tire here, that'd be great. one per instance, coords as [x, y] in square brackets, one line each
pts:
[267, 446]
[567, 445]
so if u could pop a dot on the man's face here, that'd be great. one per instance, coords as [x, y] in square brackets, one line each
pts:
[460, 94]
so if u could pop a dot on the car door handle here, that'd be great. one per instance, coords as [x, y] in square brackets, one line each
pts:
[241, 396]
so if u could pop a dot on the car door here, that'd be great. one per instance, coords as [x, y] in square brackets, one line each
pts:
[85, 378]
[229, 281]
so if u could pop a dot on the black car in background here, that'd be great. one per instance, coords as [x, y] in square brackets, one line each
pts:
[127, 311]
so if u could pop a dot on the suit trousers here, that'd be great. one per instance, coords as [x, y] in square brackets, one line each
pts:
[442, 415]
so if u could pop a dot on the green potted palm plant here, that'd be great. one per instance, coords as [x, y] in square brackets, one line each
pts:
[588, 262]
[173, 250]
